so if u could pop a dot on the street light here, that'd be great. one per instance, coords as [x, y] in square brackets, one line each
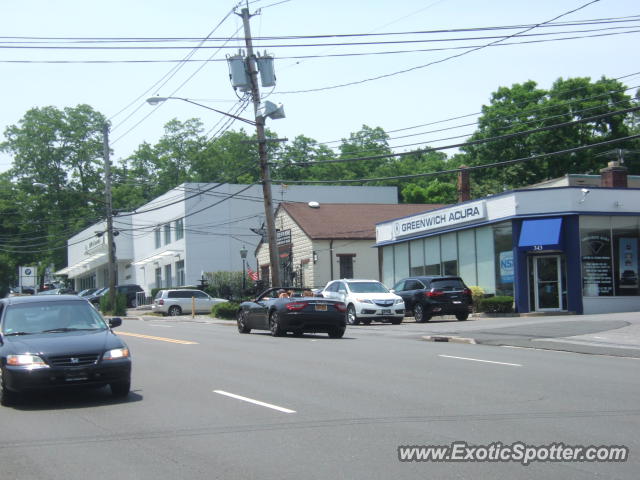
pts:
[243, 255]
[272, 111]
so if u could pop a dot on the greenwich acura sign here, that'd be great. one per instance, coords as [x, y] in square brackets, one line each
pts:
[449, 217]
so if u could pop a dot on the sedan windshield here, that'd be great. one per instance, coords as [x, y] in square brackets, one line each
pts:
[367, 287]
[45, 317]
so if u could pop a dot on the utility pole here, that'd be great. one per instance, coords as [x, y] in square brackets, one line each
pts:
[110, 245]
[262, 153]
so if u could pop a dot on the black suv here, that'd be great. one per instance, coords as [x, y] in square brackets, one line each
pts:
[434, 295]
[129, 290]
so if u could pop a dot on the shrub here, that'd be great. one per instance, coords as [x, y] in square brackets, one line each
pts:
[496, 304]
[120, 306]
[477, 294]
[227, 310]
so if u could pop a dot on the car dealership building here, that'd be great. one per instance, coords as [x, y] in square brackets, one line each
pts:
[561, 249]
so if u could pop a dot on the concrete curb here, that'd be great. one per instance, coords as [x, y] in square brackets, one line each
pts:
[444, 338]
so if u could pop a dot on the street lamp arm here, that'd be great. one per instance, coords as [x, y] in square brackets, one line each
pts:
[158, 100]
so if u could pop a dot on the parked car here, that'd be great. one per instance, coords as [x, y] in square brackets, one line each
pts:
[87, 292]
[426, 296]
[176, 301]
[366, 300]
[129, 291]
[58, 341]
[297, 314]
[58, 291]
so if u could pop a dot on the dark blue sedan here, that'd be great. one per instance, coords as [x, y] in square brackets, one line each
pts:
[293, 310]
[58, 341]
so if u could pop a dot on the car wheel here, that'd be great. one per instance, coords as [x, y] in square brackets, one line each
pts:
[352, 318]
[396, 321]
[120, 389]
[462, 316]
[175, 310]
[274, 325]
[418, 313]
[337, 332]
[7, 397]
[242, 322]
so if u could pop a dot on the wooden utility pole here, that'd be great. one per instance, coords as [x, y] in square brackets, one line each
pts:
[111, 267]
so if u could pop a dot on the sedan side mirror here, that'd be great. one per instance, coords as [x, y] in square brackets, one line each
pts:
[115, 322]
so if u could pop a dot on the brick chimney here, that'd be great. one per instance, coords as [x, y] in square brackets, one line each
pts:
[464, 190]
[613, 176]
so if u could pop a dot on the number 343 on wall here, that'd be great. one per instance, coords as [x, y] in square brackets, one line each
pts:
[537, 247]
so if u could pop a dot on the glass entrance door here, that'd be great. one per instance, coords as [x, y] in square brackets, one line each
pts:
[547, 276]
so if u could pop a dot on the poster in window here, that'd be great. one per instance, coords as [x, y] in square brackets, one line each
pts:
[597, 277]
[506, 266]
[628, 249]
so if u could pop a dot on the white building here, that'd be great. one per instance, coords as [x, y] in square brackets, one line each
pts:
[191, 229]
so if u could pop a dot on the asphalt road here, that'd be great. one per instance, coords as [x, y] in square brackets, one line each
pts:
[326, 409]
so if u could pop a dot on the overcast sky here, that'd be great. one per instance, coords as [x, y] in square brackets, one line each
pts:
[432, 93]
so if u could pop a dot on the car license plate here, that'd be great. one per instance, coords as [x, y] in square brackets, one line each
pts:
[76, 377]
[386, 311]
[321, 307]
[457, 301]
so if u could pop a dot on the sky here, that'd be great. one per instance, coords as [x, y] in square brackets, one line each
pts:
[433, 89]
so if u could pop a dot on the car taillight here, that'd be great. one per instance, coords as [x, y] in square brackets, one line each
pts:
[161, 302]
[295, 306]
[341, 307]
[467, 292]
[434, 293]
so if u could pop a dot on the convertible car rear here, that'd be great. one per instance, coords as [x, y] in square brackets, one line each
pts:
[296, 313]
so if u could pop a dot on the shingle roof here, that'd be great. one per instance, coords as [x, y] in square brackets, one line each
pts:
[348, 220]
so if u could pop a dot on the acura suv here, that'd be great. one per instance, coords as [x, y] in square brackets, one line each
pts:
[366, 300]
[427, 296]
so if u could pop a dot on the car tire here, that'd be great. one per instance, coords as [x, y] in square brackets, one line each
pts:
[352, 318]
[396, 321]
[462, 316]
[418, 313]
[120, 389]
[174, 310]
[274, 325]
[242, 322]
[7, 397]
[337, 332]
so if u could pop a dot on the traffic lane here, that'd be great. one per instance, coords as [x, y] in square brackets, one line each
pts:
[336, 427]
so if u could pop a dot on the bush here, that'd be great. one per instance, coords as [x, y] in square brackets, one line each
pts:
[120, 309]
[496, 304]
[227, 310]
[477, 294]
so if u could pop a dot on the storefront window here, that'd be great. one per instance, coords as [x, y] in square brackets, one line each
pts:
[625, 255]
[467, 256]
[401, 261]
[432, 256]
[449, 249]
[595, 247]
[503, 261]
[416, 249]
[485, 258]
[388, 277]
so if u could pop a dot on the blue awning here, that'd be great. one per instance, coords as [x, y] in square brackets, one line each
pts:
[540, 234]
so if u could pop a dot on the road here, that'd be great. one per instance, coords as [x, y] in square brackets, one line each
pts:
[209, 403]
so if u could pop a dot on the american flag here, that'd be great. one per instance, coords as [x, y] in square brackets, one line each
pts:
[252, 274]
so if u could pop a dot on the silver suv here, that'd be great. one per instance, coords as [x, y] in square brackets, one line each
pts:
[175, 302]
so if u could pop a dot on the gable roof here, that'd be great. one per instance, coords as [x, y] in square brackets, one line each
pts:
[348, 220]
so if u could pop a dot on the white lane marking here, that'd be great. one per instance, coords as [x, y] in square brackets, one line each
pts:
[256, 402]
[484, 361]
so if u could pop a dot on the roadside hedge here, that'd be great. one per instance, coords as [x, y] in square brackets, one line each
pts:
[227, 310]
[502, 304]
[120, 309]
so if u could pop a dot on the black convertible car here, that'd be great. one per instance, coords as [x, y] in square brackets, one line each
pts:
[293, 310]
